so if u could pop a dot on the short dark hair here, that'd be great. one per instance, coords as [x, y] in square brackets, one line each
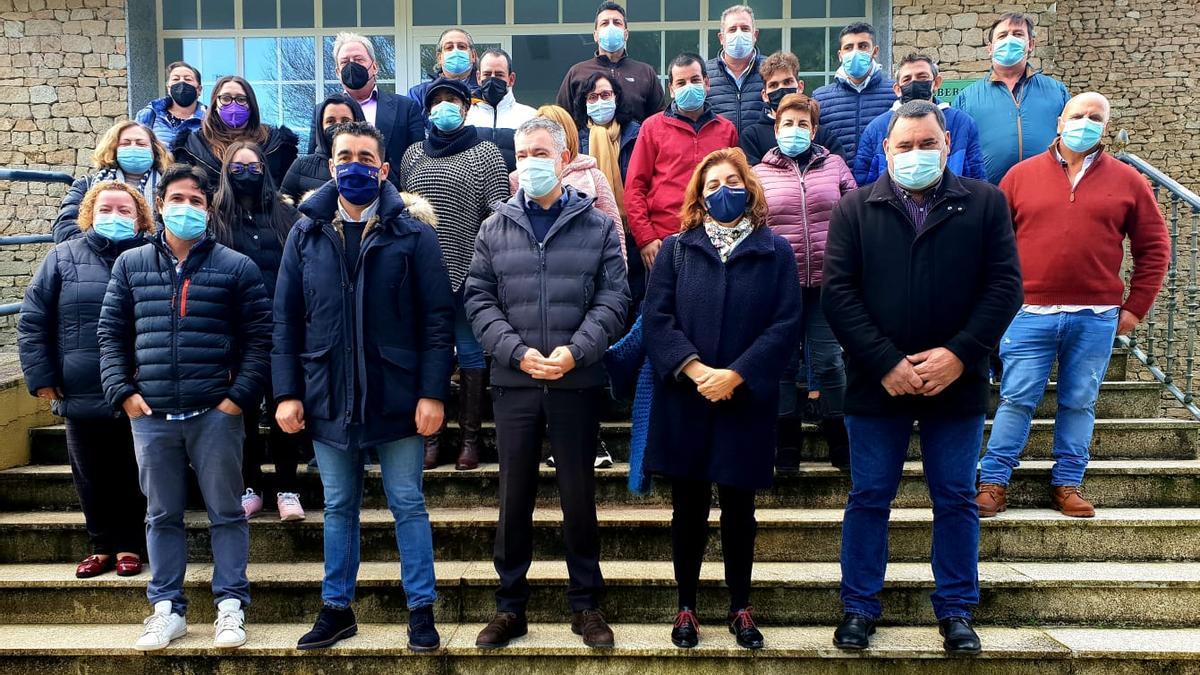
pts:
[1014, 17]
[684, 60]
[858, 27]
[183, 64]
[496, 51]
[917, 109]
[605, 6]
[917, 58]
[180, 171]
[357, 128]
[579, 106]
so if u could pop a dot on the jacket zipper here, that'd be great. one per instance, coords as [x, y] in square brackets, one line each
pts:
[1020, 135]
[187, 282]
[807, 239]
[340, 247]
[542, 288]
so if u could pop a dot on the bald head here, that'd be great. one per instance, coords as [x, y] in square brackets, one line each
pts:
[1091, 105]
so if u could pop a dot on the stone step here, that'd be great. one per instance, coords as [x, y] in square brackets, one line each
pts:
[1109, 484]
[1132, 594]
[640, 648]
[1124, 438]
[643, 533]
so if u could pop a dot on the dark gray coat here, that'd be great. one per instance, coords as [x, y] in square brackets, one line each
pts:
[570, 290]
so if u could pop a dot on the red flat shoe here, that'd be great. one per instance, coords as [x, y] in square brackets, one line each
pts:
[129, 566]
[94, 565]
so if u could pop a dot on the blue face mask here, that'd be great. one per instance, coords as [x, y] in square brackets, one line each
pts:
[611, 38]
[739, 45]
[1009, 51]
[185, 221]
[726, 205]
[134, 159]
[916, 169]
[358, 183]
[536, 176]
[793, 140]
[114, 226]
[602, 112]
[857, 63]
[446, 116]
[1082, 134]
[690, 97]
[456, 62]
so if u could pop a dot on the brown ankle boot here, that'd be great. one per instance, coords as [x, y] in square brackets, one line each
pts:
[433, 449]
[992, 499]
[470, 415]
[1069, 499]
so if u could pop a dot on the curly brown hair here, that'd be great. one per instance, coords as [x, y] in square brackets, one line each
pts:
[144, 222]
[694, 211]
[105, 154]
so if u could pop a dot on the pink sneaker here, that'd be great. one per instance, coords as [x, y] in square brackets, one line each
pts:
[289, 507]
[251, 503]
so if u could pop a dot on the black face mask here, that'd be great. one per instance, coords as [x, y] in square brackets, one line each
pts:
[183, 94]
[493, 90]
[246, 184]
[917, 90]
[774, 98]
[355, 76]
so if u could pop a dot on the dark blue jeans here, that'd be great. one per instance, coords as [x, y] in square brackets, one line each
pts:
[949, 451]
[824, 370]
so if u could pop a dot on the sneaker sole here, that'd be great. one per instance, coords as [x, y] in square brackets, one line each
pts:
[291, 519]
[342, 635]
[155, 648]
[228, 645]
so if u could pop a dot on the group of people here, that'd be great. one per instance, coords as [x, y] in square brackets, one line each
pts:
[712, 257]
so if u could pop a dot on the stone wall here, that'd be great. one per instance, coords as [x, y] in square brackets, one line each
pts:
[62, 84]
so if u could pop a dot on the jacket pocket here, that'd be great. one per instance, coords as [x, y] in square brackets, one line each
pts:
[318, 389]
[398, 375]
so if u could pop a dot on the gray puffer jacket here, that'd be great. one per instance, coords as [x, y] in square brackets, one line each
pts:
[569, 290]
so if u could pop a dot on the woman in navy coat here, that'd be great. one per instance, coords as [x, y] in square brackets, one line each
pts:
[722, 311]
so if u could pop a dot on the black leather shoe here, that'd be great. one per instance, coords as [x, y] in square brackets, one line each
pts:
[741, 624]
[332, 626]
[960, 636]
[422, 634]
[854, 633]
[686, 633]
[503, 628]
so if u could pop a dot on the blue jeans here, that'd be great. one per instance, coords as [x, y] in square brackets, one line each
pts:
[468, 349]
[342, 478]
[824, 369]
[949, 450]
[1082, 343]
[212, 444]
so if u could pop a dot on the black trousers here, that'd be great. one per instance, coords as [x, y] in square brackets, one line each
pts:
[691, 501]
[570, 419]
[105, 471]
[285, 450]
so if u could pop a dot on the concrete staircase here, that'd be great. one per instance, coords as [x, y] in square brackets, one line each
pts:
[1117, 593]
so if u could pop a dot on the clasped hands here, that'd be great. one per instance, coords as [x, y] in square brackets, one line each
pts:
[924, 374]
[553, 367]
[714, 384]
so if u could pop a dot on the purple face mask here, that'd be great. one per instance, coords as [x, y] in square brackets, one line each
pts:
[234, 114]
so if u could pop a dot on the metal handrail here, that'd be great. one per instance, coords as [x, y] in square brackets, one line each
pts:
[29, 176]
[1161, 353]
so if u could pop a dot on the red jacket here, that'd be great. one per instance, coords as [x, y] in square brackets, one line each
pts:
[667, 152]
[1071, 241]
[800, 204]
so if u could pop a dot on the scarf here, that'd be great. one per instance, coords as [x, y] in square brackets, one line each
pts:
[440, 144]
[604, 144]
[725, 239]
[148, 185]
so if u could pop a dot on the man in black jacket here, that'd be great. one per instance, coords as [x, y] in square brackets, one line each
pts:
[184, 335]
[779, 73]
[547, 295]
[921, 281]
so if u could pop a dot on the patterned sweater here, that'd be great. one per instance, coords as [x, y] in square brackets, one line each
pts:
[462, 189]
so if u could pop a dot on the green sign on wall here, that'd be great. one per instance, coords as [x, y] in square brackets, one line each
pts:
[950, 88]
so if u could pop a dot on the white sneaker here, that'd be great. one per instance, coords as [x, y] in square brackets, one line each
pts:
[230, 626]
[288, 505]
[161, 628]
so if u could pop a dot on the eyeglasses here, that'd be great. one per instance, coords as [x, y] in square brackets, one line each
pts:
[602, 96]
[226, 99]
[238, 168]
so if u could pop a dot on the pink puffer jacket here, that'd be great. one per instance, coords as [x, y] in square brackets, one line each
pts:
[800, 204]
[584, 175]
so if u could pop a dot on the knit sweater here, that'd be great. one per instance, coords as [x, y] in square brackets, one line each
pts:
[1071, 241]
[462, 189]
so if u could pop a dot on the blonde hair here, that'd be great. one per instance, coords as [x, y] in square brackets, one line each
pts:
[560, 115]
[105, 154]
[694, 211]
[144, 221]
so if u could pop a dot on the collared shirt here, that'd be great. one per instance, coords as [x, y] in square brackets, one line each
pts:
[697, 124]
[353, 230]
[1025, 77]
[738, 79]
[917, 211]
[1087, 164]
[370, 106]
[368, 212]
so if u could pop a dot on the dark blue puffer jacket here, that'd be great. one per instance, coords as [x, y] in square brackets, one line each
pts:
[57, 328]
[185, 341]
[362, 345]
[740, 105]
[846, 112]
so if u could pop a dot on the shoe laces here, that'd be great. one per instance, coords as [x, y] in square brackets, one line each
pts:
[1069, 490]
[685, 618]
[592, 617]
[288, 498]
[743, 620]
[990, 490]
[157, 623]
[249, 494]
[228, 621]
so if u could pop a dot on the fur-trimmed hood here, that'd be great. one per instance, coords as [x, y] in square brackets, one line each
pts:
[320, 205]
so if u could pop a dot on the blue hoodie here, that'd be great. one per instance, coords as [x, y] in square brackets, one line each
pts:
[163, 124]
[966, 157]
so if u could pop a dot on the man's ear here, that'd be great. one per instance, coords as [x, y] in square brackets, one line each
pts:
[896, 89]
[332, 168]
[384, 170]
[937, 83]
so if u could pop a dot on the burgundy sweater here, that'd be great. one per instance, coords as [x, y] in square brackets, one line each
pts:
[1071, 241]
